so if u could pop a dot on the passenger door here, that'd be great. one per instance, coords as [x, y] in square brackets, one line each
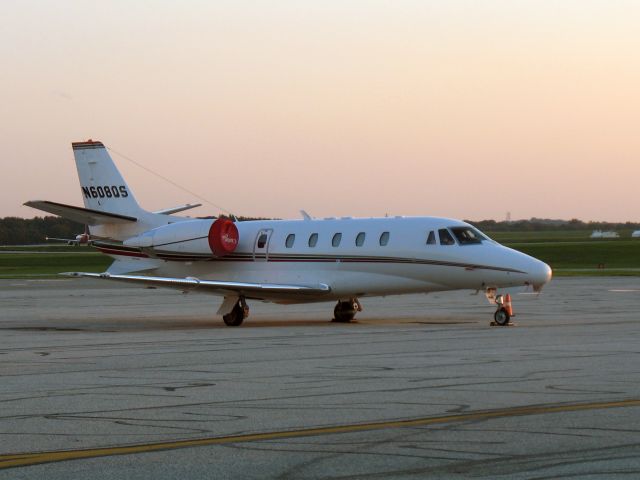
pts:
[261, 245]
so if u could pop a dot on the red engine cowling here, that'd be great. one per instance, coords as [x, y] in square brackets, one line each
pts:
[223, 237]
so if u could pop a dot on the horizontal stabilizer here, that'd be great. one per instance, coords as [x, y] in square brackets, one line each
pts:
[86, 216]
[181, 208]
[252, 290]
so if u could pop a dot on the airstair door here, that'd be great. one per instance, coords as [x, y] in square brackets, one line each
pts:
[261, 245]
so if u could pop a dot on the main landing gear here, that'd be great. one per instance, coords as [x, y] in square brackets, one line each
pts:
[345, 310]
[237, 315]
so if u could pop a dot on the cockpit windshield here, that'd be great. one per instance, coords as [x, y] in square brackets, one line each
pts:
[467, 235]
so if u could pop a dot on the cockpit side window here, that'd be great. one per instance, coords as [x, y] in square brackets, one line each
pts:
[467, 235]
[431, 238]
[445, 237]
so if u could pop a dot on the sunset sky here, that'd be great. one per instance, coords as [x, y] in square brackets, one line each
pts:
[464, 109]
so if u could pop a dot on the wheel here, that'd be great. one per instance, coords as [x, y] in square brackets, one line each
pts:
[501, 317]
[235, 317]
[344, 312]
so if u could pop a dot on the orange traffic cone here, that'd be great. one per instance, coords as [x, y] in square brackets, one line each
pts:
[507, 305]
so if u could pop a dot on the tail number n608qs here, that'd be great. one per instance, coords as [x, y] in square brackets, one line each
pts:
[106, 191]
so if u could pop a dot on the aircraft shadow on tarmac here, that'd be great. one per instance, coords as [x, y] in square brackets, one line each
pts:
[137, 324]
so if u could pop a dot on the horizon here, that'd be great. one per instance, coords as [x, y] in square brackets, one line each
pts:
[460, 110]
[243, 218]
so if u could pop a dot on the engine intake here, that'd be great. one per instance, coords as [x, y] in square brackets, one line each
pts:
[223, 237]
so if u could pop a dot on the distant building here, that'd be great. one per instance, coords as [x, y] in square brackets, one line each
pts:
[601, 234]
[636, 234]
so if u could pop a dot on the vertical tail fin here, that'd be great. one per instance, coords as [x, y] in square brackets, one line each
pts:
[110, 207]
[103, 188]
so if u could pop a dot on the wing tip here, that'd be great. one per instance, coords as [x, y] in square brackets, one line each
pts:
[84, 274]
[71, 274]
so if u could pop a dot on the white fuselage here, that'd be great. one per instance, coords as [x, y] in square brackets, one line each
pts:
[392, 257]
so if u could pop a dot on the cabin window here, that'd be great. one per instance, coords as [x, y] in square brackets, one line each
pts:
[445, 237]
[262, 240]
[290, 239]
[384, 239]
[313, 239]
[335, 241]
[431, 238]
[360, 239]
[467, 235]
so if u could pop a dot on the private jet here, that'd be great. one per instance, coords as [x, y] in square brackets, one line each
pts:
[80, 239]
[286, 261]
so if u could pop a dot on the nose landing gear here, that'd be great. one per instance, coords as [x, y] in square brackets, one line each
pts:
[504, 311]
[501, 317]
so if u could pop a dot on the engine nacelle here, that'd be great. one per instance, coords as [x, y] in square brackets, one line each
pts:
[198, 237]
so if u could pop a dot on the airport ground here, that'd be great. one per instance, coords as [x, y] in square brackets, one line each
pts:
[106, 381]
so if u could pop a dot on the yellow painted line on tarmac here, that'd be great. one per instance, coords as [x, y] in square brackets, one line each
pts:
[26, 459]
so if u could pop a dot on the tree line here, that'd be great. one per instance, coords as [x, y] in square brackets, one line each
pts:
[23, 231]
[546, 224]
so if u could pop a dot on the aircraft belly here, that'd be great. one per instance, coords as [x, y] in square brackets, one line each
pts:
[345, 279]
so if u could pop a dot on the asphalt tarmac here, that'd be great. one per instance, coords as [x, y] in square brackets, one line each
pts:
[105, 381]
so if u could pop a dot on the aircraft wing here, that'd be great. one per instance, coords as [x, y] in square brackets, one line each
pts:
[249, 290]
[79, 214]
[61, 239]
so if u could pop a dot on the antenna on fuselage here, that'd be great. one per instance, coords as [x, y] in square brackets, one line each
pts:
[305, 215]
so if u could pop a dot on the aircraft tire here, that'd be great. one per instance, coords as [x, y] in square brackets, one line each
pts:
[235, 317]
[501, 317]
[344, 312]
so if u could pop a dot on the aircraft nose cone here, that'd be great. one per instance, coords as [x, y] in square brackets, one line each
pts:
[540, 275]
